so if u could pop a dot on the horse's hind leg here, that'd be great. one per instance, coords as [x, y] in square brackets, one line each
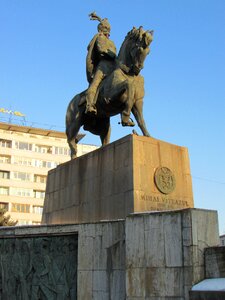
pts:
[72, 132]
[73, 148]
[105, 132]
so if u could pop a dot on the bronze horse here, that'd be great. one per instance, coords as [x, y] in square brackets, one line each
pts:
[125, 81]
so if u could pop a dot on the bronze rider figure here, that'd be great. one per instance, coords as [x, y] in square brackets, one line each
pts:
[100, 62]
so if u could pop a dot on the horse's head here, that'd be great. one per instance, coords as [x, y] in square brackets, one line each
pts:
[134, 50]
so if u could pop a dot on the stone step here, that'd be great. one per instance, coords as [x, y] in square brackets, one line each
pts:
[207, 295]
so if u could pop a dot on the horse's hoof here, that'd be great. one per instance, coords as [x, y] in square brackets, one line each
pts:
[134, 132]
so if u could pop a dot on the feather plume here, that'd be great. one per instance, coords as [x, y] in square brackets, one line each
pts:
[93, 16]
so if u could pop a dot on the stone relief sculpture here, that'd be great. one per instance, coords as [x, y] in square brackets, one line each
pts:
[115, 85]
[40, 268]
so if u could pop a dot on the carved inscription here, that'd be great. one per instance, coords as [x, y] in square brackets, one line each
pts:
[38, 268]
[164, 200]
[164, 180]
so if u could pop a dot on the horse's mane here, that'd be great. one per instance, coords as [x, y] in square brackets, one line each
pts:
[132, 36]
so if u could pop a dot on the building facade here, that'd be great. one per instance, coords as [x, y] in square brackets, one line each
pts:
[26, 156]
[222, 240]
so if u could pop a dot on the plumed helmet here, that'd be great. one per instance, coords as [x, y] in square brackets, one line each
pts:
[103, 26]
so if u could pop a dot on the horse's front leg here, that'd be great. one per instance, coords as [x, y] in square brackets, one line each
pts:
[137, 111]
[123, 92]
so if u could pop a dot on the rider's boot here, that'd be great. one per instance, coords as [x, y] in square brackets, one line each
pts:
[90, 110]
[90, 107]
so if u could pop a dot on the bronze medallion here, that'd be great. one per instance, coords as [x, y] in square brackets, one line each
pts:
[164, 180]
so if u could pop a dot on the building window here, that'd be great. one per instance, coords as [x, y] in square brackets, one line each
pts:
[40, 178]
[5, 143]
[62, 151]
[4, 159]
[22, 176]
[43, 164]
[223, 242]
[22, 208]
[4, 190]
[55, 164]
[22, 161]
[4, 205]
[23, 146]
[22, 192]
[42, 149]
[39, 194]
[37, 210]
[4, 174]
[23, 222]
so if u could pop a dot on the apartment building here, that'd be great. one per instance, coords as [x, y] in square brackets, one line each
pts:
[26, 156]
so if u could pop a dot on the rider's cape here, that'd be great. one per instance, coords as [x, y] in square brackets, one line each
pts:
[91, 59]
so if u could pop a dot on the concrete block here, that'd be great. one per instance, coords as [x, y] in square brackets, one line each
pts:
[187, 237]
[154, 247]
[164, 282]
[155, 282]
[99, 254]
[135, 282]
[57, 179]
[115, 255]
[135, 247]
[215, 262]
[84, 285]
[117, 284]
[173, 240]
[85, 253]
[50, 181]
[100, 281]
[205, 228]
[100, 295]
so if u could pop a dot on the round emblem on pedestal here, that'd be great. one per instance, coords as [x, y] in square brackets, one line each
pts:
[164, 180]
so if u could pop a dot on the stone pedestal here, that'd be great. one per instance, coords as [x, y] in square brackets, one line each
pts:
[133, 174]
[133, 233]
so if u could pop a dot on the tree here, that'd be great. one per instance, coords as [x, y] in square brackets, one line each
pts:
[6, 220]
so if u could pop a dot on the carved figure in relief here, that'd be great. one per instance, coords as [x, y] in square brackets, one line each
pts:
[19, 270]
[119, 91]
[39, 268]
[59, 269]
[10, 281]
[43, 283]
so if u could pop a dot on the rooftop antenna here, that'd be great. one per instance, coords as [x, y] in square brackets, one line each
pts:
[12, 113]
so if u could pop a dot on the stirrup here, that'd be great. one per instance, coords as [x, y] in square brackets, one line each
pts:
[129, 123]
[91, 110]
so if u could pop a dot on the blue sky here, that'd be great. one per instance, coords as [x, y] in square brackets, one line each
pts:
[42, 58]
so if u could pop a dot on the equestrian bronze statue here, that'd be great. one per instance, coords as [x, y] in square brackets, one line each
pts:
[115, 85]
